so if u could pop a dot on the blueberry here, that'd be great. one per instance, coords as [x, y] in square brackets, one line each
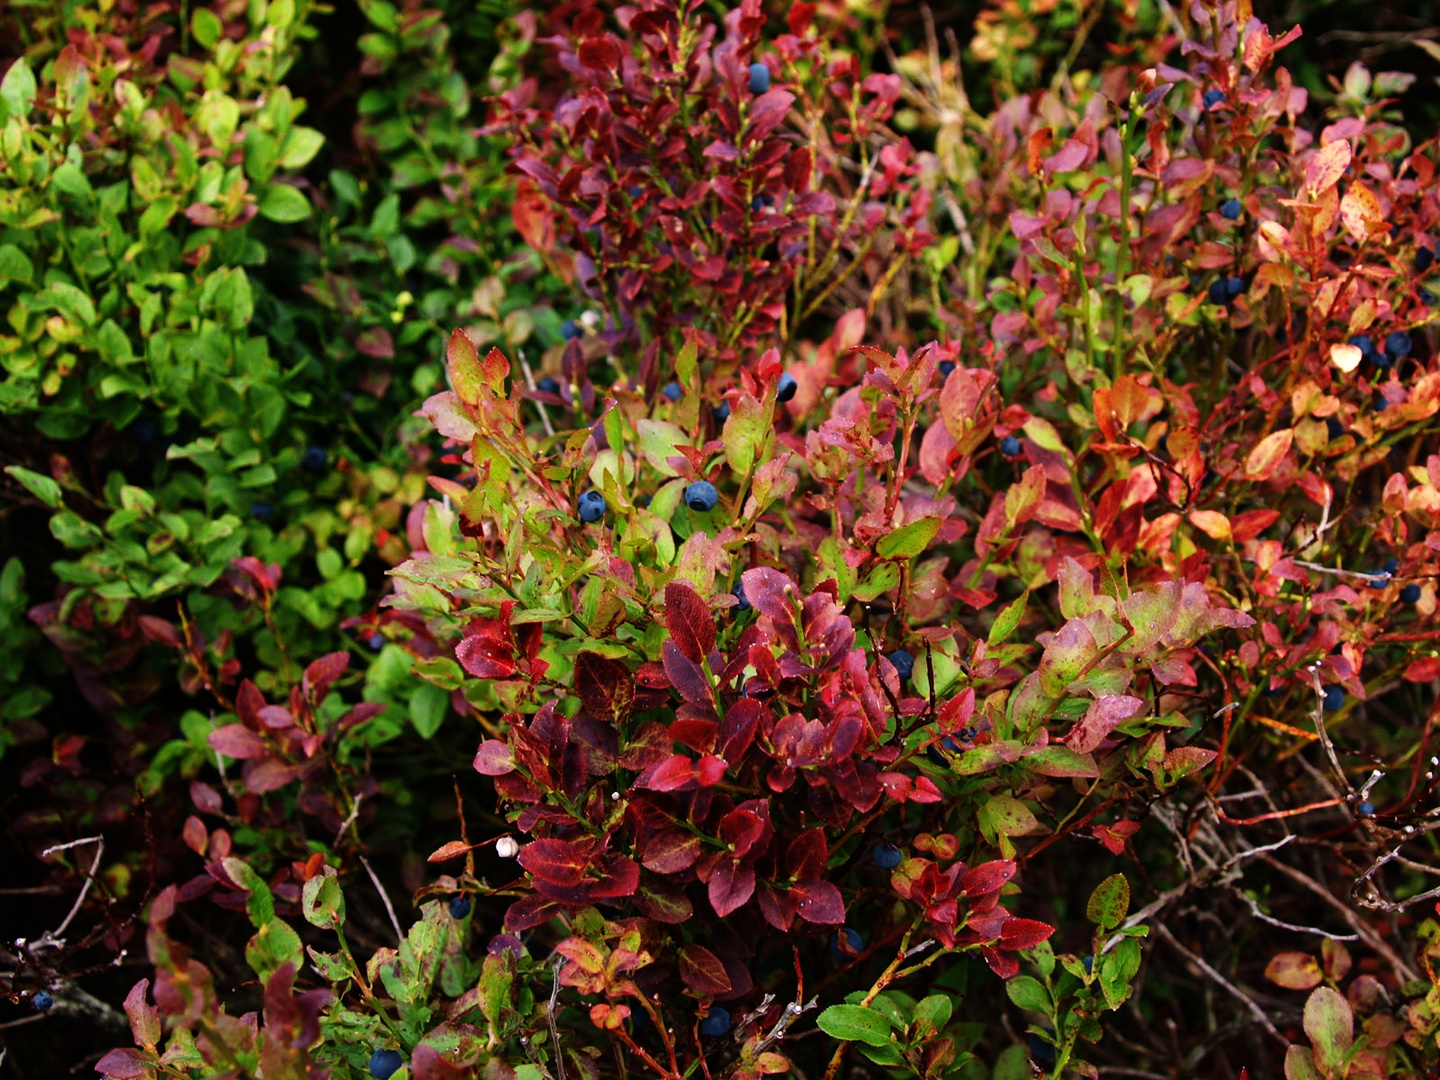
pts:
[1391, 565]
[1333, 427]
[1410, 594]
[757, 204]
[1334, 699]
[1397, 344]
[642, 499]
[716, 1022]
[904, 663]
[634, 192]
[786, 387]
[759, 78]
[261, 510]
[1274, 691]
[1211, 99]
[1424, 259]
[722, 412]
[672, 391]
[376, 642]
[949, 743]
[1366, 346]
[1234, 287]
[1040, 1049]
[548, 385]
[314, 459]
[568, 330]
[739, 593]
[1367, 808]
[385, 1064]
[592, 507]
[145, 430]
[1379, 578]
[886, 855]
[1231, 209]
[459, 907]
[701, 496]
[1089, 962]
[42, 1001]
[1009, 446]
[852, 937]
[946, 367]
[1219, 294]
[1426, 297]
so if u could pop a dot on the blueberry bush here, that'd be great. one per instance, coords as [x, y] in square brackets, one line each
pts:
[661, 540]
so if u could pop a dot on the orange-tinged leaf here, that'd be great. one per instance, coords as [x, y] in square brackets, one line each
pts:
[451, 850]
[1266, 457]
[1327, 166]
[1359, 211]
[1294, 971]
[1212, 523]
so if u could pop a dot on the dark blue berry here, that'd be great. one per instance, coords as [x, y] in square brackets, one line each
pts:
[672, 391]
[786, 387]
[1089, 962]
[852, 938]
[1010, 446]
[42, 1001]
[592, 507]
[314, 459]
[701, 496]
[1397, 344]
[1367, 808]
[1366, 346]
[633, 191]
[1211, 99]
[459, 907]
[759, 78]
[568, 330]
[722, 412]
[1426, 297]
[1391, 565]
[1333, 427]
[1424, 259]
[376, 642]
[1231, 209]
[716, 1022]
[886, 855]
[904, 663]
[548, 385]
[145, 430]
[385, 1064]
[1379, 579]
[949, 743]
[1040, 1049]
[1334, 699]
[1234, 286]
[739, 593]
[1410, 593]
[946, 367]
[1219, 294]
[261, 510]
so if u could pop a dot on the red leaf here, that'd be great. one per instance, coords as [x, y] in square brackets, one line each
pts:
[672, 774]
[685, 675]
[737, 730]
[671, 852]
[493, 759]
[731, 886]
[1024, 933]
[125, 1063]
[605, 687]
[452, 849]
[709, 770]
[819, 902]
[238, 741]
[689, 621]
[268, 774]
[160, 631]
[555, 861]
[488, 652]
[987, 878]
[600, 53]
[702, 971]
[1104, 715]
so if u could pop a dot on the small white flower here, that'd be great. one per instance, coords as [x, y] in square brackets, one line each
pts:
[1346, 357]
[506, 847]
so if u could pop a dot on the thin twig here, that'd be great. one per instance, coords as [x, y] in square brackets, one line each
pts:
[1224, 984]
[54, 936]
[550, 1016]
[389, 908]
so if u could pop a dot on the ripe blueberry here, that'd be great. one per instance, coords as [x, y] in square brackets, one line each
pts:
[548, 385]
[722, 412]
[1219, 294]
[1392, 564]
[672, 391]
[716, 1022]
[949, 743]
[314, 459]
[759, 78]
[1367, 808]
[1410, 593]
[739, 593]
[592, 507]
[1397, 344]
[904, 663]
[1089, 962]
[701, 496]
[459, 907]
[946, 367]
[1009, 446]
[1234, 287]
[1213, 98]
[1333, 427]
[1040, 1049]
[1334, 699]
[886, 855]
[786, 387]
[261, 510]
[145, 430]
[1424, 259]
[385, 1064]
[852, 938]
[376, 642]
[1365, 344]
[1231, 209]
[42, 1001]
[568, 330]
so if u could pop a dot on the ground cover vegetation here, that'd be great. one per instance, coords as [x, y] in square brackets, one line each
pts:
[667, 540]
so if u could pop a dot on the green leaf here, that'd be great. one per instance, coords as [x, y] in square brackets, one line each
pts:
[42, 487]
[428, 706]
[285, 204]
[261, 905]
[882, 579]
[1008, 619]
[909, 540]
[936, 1008]
[206, 27]
[1109, 902]
[745, 435]
[1331, 1027]
[15, 264]
[17, 89]
[855, 1023]
[71, 179]
[1029, 993]
[323, 903]
[1117, 968]
[301, 146]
